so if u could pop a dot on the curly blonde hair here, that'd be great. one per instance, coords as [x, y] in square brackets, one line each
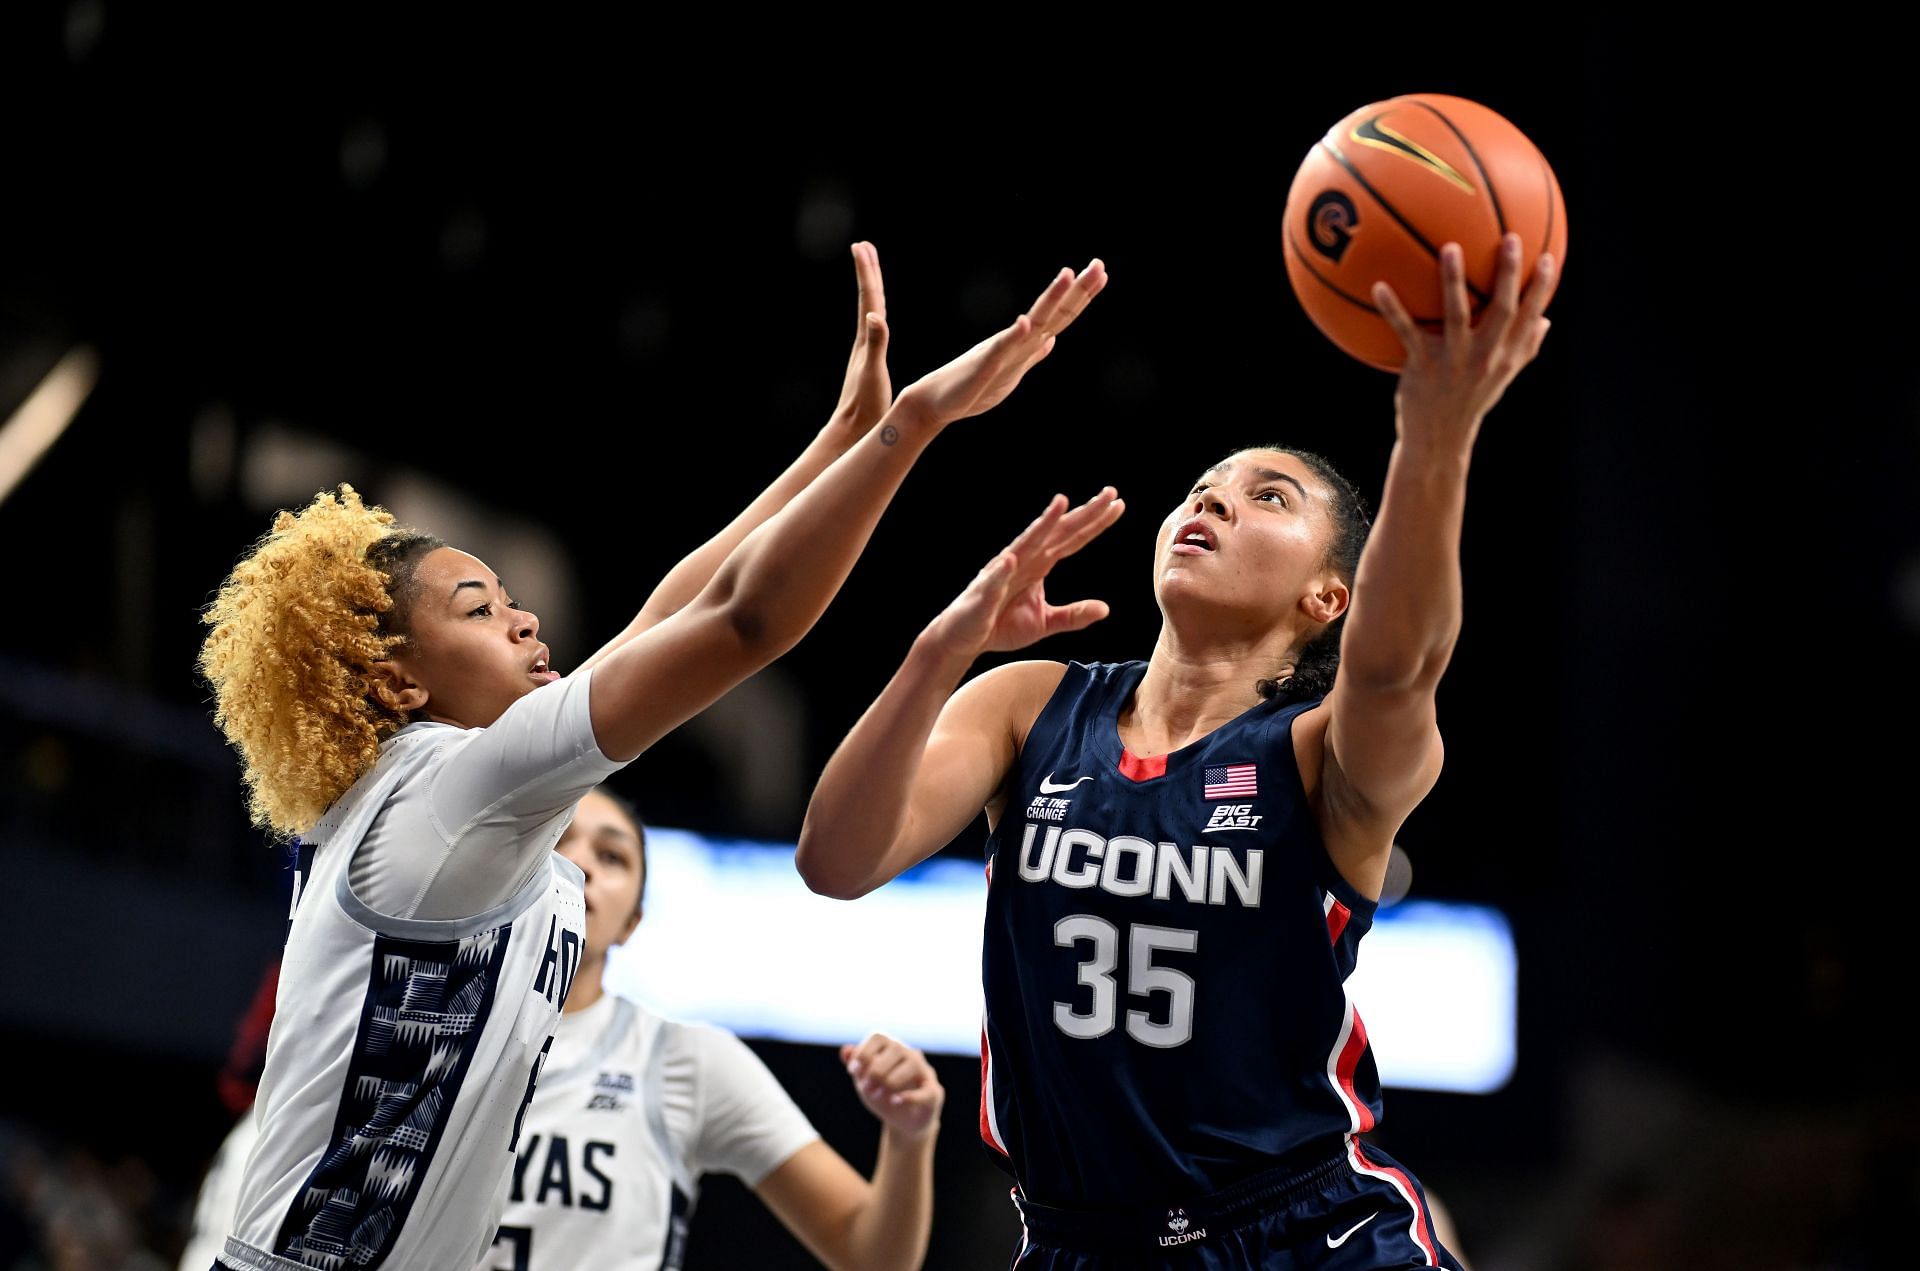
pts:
[297, 627]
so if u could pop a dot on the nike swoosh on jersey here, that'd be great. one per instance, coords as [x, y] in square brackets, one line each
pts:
[1335, 1244]
[1047, 786]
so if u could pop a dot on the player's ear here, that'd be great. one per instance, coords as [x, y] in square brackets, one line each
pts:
[394, 689]
[1327, 600]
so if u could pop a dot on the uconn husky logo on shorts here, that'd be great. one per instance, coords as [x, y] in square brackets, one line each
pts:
[1165, 952]
[1177, 1223]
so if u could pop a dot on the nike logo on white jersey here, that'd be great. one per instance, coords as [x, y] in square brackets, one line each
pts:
[1047, 786]
[1335, 1244]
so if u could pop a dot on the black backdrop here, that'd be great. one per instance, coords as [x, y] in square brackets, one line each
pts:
[596, 280]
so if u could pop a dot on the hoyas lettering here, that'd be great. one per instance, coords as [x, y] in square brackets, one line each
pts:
[1128, 866]
[554, 1183]
[562, 960]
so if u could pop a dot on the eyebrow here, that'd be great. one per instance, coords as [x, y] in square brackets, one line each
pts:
[1268, 474]
[475, 582]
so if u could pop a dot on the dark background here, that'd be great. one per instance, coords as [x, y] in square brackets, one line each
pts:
[595, 281]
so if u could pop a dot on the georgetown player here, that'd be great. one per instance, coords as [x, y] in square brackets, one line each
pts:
[396, 710]
[1186, 851]
[632, 1109]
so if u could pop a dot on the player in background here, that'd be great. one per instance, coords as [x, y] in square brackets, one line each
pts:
[632, 1109]
[1186, 851]
[238, 1078]
[397, 712]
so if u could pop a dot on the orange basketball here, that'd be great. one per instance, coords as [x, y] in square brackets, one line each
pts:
[1376, 198]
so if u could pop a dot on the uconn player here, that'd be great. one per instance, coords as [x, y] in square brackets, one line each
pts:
[632, 1109]
[1186, 851]
[396, 710]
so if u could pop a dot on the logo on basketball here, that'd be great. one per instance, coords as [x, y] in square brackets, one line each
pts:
[1177, 1220]
[1330, 222]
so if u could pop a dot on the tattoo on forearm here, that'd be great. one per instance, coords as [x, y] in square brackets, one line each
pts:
[889, 434]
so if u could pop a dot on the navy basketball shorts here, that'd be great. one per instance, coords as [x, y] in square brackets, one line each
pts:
[1360, 1211]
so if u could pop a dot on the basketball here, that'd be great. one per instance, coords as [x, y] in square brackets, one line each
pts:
[1377, 197]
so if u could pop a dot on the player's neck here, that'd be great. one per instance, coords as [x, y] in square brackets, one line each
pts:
[1189, 691]
[587, 988]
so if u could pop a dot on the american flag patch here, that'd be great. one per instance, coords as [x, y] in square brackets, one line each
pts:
[1231, 782]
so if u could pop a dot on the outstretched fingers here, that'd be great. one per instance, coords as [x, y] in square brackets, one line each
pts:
[1040, 529]
[1073, 617]
[1453, 294]
[1058, 532]
[1087, 522]
[873, 291]
[1067, 297]
[1540, 289]
[1388, 303]
[1499, 317]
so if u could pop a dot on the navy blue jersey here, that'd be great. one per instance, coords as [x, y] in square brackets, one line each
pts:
[1167, 945]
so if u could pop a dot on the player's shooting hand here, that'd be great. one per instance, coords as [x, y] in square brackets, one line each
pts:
[1005, 607]
[867, 390]
[979, 379]
[897, 1084]
[1453, 377]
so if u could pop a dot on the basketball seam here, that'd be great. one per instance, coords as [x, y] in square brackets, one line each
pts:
[1350, 299]
[1546, 242]
[1493, 195]
[1394, 212]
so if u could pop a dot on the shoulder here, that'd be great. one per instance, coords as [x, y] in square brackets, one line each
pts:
[1014, 695]
[706, 1046]
[1002, 702]
[422, 747]
[731, 1087]
[1019, 680]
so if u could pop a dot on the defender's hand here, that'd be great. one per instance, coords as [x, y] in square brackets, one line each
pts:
[867, 390]
[980, 379]
[897, 1084]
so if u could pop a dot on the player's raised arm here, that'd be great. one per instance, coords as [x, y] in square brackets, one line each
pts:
[879, 1224]
[865, 394]
[776, 583]
[924, 760]
[1382, 743]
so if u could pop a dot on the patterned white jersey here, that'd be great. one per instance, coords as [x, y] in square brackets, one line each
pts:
[632, 1109]
[404, 1050]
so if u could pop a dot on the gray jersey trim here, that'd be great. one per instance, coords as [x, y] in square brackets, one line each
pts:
[455, 928]
[650, 1087]
[247, 1258]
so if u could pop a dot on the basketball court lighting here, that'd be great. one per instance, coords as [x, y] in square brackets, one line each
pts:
[45, 415]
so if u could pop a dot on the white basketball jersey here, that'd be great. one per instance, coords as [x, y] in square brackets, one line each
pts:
[404, 1051]
[632, 1109]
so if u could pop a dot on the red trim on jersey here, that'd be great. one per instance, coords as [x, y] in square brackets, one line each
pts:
[986, 1126]
[1337, 921]
[1349, 1061]
[1134, 768]
[1422, 1223]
